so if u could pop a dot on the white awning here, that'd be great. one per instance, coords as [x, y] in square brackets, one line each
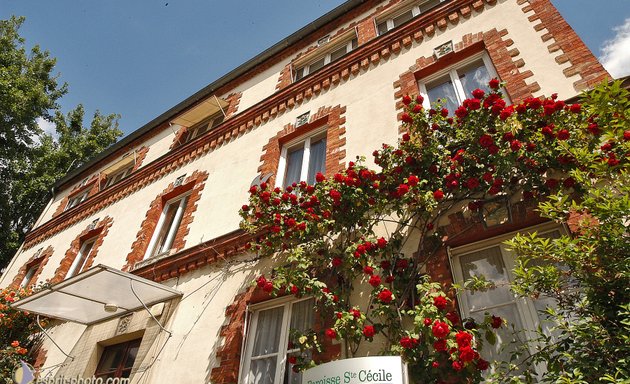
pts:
[206, 108]
[98, 294]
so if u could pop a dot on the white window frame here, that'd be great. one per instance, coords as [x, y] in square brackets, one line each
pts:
[454, 76]
[76, 200]
[304, 141]
[182, 201]
[81, 258]
[306, 68]
[388, 19]
[283, 349]
[525, 306]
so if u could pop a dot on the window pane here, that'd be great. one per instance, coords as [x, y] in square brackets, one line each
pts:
[302, 315]
[474, 76]
[382, 27]
[263, 371]
[299, 73]
[316, 65]
[336, 54]
[111, 359]
[486, 263]
[268, 329]
[294, 166]
[317, 159]
[442, 90]
[132, 352]
[84, 252]
[403, 18]
[171, 223]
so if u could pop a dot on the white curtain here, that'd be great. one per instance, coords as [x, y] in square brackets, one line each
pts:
[294, 167]
[473, 77]
[444, 91]
[266, 343]
[317, 159]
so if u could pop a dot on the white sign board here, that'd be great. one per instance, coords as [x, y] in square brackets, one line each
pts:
[360, 370]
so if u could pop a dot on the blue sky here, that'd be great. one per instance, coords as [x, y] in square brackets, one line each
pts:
[139, 58]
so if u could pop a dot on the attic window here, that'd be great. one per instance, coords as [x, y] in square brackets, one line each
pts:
[335, 52]
[203, 127]
[400, 15]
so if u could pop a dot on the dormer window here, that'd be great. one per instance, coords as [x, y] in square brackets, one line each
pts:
[119, 175]
[335, 52]
[203, 127]
[78, 199]
[398, 17]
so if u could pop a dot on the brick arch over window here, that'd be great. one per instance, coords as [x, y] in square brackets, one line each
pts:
[503, 55]
[331, 117]
[97, 230]
[193, 184]
[40, 258]
[230, 352]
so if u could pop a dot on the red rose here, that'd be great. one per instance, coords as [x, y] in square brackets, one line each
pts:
[294, 290]
[355, 313]
[438, 195]
[444, 112]
[435, 364]
[626, 135]
[496, 322]
[486, 140]
[268, 287]
[482, 365]
[461, 112]
[336, 195]
[413, 180]
[463, 339]
[15, 344]
[457, 366]
[440, 302]
[472, 183]
[478, 93]
[368, 270]
[261, 281]
[440, 329]
[452, 317]
[494, 84]
[368, 331]
[389, 279]
[440, 345]
[547, 131]
[385, 296]
[417, 108]
[466, 354]
[406, 118]
[593, 128]
[381, 243]
[515, 145]
[406, 100]
[331, 333]
[375, 280]
[336, 261]
[427, 321]
[319, 177]
[402, 189]
[419, 99]
[407, 342]
[575, 108]
[406, 137]
[473, 104]
[563, 134]
[292, 360]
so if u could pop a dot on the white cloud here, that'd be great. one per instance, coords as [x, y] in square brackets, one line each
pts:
[47, 127]
[616, 52]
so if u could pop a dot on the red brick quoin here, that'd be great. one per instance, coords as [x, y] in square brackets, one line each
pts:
[230, 352]
[194, 183]
[96, 230]
[39, 259]
[332, 118]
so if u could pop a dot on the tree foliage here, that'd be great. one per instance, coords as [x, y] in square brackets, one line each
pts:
[31, 160]
[360, 241]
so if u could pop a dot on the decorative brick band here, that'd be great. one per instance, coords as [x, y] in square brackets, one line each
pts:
[332, 118]
[39, 259]
[97, 230]
[561, 37]
[504, 58]
[193, 184]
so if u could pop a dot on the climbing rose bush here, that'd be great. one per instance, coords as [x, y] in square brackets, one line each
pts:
[346, 233]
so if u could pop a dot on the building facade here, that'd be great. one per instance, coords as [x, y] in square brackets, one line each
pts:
[162, 204]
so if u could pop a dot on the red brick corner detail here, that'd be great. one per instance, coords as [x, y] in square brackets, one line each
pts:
[40, 258]
[97, 230]
[333, 118]
[560, 36]
[194, 183]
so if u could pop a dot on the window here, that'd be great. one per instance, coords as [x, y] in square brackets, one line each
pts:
[203, 127]
[492, 260]
[167, 226]
[76, 200]
[399, 18]
[81, 258]
[332, 55]
[302, 160]
[29, 277]
[117, 360]
[265, 358]
[116, 177]
[452, 87]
